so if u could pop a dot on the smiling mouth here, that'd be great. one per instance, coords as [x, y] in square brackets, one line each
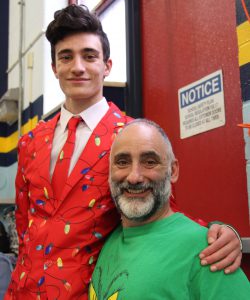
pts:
[78, 79]
[137, 192]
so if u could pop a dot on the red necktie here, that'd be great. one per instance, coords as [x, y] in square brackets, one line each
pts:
[60, 174]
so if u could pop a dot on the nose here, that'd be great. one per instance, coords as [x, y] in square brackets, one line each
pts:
[78, 66]
[135, 174]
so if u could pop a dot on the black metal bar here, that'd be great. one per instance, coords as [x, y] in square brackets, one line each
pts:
[133, 103]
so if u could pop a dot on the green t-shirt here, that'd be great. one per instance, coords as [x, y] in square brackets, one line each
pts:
[159, 261]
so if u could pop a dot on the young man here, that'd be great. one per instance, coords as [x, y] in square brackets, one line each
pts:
[154, 254]
[64, 209]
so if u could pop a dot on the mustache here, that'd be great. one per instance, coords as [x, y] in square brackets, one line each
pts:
[137, 186]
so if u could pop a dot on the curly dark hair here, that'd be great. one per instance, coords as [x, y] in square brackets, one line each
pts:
[75, 19]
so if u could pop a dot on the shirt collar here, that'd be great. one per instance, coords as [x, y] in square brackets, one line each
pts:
[91, 115]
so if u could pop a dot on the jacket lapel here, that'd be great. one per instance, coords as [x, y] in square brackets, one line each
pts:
[97, 148]
[43, 145]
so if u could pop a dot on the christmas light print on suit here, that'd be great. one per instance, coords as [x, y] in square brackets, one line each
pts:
[66, 237]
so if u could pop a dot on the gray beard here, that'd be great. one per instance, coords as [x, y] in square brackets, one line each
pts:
[141, 209]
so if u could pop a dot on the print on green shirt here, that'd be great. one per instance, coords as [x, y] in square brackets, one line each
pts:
[99, 293]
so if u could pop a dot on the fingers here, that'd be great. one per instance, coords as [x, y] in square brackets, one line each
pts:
[233, 267]
[213, 233]
[220, 248]
[224, 252]
[214, 253]
[219, 236]
[229, 262]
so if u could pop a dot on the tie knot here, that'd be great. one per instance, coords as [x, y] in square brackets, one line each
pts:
[73, 123]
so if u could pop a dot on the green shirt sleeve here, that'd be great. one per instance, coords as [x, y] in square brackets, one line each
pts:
[207, 285]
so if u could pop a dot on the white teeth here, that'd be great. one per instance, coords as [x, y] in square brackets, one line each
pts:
[136, 191]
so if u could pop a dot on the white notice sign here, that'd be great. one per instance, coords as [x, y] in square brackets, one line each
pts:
[201, 105]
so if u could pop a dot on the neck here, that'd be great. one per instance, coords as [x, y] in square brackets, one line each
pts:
[163, 213]
[77, 106]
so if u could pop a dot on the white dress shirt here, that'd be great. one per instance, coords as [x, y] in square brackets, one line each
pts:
[91, 117]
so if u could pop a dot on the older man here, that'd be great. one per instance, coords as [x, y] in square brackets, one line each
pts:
[154, 254]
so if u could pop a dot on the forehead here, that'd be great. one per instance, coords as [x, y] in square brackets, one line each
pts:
[79, 42]
[137, 139]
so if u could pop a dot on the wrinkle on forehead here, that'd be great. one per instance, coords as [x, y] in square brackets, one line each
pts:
[139, 137]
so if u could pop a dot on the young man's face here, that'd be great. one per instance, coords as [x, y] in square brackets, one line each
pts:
[80, 68]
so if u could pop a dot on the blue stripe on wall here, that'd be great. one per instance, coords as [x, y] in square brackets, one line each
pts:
[35, 109]
[245, 81]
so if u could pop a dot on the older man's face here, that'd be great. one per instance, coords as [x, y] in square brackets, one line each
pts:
[139, 172]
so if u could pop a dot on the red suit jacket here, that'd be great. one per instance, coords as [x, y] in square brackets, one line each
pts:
[60, 241]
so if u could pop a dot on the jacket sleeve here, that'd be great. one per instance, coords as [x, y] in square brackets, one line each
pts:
[22, 190]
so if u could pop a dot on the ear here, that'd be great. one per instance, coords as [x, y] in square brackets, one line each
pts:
[108, 66]
[53, 66]
[175, 171]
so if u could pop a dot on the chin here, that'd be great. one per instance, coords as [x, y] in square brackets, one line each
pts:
[136, 209]
[78, 97]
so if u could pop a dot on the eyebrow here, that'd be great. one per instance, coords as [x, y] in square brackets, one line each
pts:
[143, 155]
[84, 50]
[91, 50]
[63, 51]
[122, 155]
[148, 154]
